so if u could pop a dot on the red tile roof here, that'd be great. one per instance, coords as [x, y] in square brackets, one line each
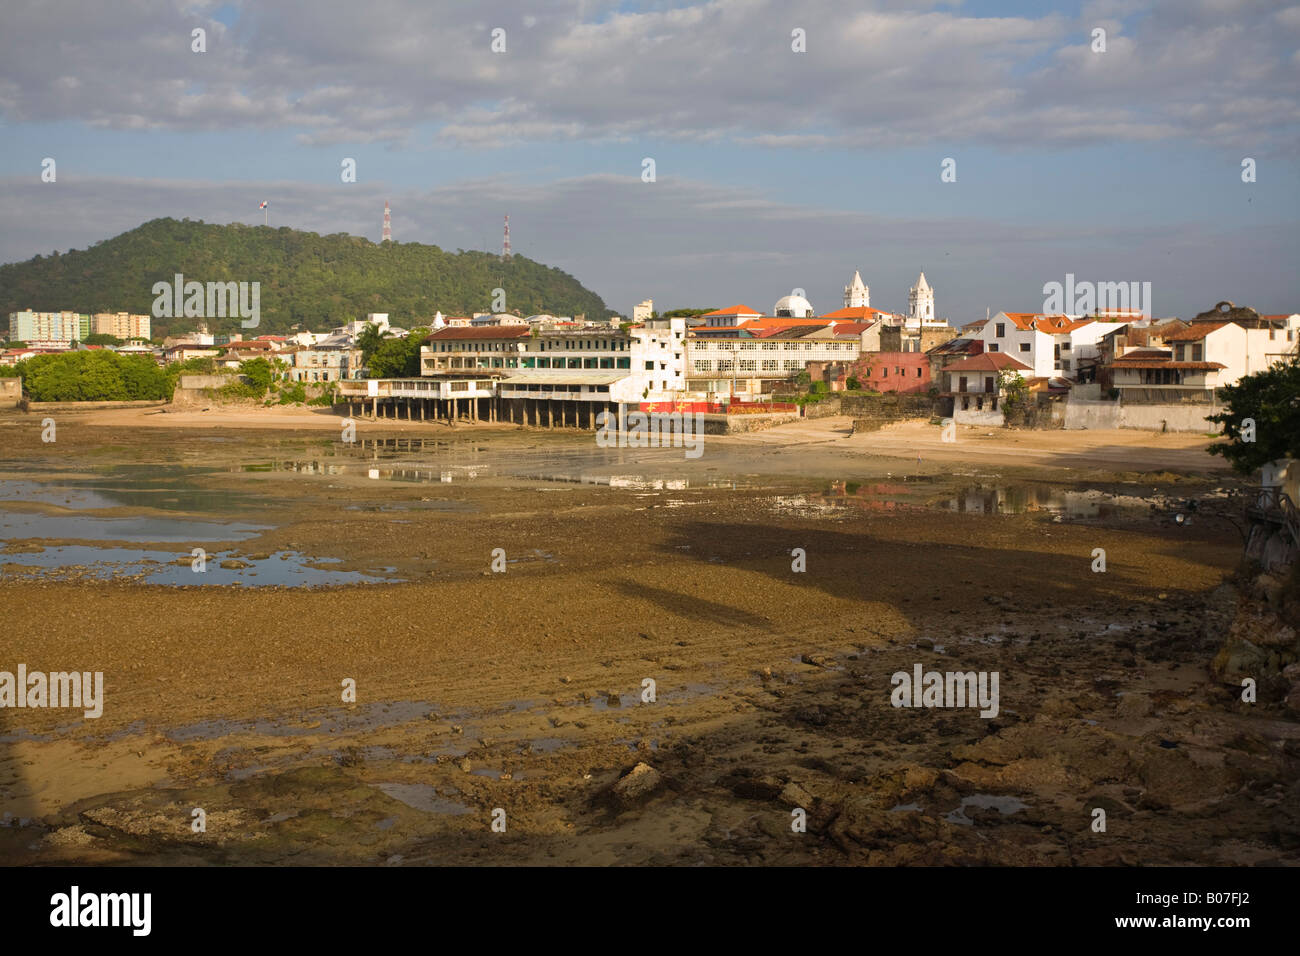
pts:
[855, 312]
[734, 310]
[1196, 332]
[987, 362]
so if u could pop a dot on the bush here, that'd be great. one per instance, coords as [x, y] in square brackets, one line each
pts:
[99, 376]
[293, 393]
[852, 384]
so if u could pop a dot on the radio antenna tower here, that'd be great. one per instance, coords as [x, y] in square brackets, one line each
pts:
[388, 224]
[505, 246]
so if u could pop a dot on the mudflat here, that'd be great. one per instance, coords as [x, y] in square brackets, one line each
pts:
[649, 613]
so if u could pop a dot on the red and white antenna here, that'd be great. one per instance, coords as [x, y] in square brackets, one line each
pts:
[388, 224]
[505, 246]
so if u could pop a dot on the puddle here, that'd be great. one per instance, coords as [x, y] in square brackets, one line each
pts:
[985, 801]
[422, 796]
[369, 717]
[17, 524]
[280, 569]
[1021, 499]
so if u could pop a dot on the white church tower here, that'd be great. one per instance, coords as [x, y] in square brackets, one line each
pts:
[857, 295]
[920, 302]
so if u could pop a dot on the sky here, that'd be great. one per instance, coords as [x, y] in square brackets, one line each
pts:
[1114, 156]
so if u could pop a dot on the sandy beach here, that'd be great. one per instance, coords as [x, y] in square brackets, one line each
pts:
[526, 690]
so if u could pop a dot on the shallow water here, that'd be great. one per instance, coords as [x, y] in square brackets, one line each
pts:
[282, 568]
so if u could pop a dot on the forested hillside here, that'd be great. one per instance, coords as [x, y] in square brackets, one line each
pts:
[309, 280]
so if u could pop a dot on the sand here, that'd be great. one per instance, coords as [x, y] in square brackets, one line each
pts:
[525, 691]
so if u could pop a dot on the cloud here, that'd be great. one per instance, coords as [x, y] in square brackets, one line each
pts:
[874, 76]
[688, 243]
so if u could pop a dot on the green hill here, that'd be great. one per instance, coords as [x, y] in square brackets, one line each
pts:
[309, 280]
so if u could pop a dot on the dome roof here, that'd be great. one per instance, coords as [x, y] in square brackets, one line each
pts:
[793, 306]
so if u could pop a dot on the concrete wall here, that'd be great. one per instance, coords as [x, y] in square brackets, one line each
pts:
[1177, 418]
[738, 424]
[11, 391]
[1080, 413]
[973, 416]
[207, 381]
[823, 409]
[872, 412]
[1185, 417]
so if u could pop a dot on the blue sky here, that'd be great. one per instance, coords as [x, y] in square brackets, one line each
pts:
[775, 169]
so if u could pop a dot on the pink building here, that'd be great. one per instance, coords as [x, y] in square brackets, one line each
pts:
[903, 372]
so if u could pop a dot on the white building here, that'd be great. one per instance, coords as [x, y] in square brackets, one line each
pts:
[643, 311]
[594, 363]
[856, 294]
[793, 307]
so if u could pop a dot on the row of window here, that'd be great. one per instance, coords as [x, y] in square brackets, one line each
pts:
[554, 388]
[773, 346]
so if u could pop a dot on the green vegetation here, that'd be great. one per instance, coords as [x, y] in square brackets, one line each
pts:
[1013, 387]
[852, 384]
[309, 280]
[293, 393]
[397, 358]
[102, 338]
[682, 313]
[1271, 400]
[98, 376]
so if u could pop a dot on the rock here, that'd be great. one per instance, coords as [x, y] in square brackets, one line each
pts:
[1293, 698]
[465, 765]
[637, 784]
[1238, 658]
[1134, 705]
[794, 795]
[815, 660]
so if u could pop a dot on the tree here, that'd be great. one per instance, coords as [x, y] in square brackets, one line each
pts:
[259, 374]
[101, 338]
[852, 384]
[398, 358]
[1270, 402]
[1013, 387]
[684, 313]
[369, 341]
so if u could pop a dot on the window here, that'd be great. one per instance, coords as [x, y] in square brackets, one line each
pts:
[993, 346]
[748, 365]
[770, 365]
[703, 365]
[1197, 352]
[1065, 346]
[649, 366]
[1024, 346]
[918, 372]
[961, 387]
[1000, 329]
[884, 373]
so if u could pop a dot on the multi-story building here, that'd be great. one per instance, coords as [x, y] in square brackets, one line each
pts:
[122, 325]
[324, 362]
[28, 326]
[593, 364]
[749, 361]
